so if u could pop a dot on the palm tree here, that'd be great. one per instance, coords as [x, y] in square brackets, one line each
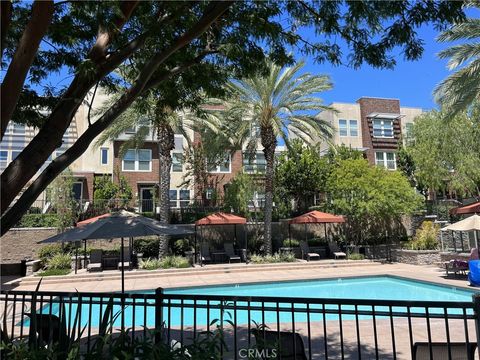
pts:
[271, 105]
[462, 88]
[165, 123]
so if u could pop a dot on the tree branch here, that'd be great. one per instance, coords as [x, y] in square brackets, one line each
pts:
[42, 13]
[12, 216]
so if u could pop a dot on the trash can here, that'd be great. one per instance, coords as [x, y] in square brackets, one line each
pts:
[23, 267]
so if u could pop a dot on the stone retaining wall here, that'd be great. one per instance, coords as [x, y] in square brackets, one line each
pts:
[416, 257]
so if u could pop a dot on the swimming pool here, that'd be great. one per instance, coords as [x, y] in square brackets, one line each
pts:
[367, 288]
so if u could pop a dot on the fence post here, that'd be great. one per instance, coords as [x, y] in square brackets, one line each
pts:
[158, 314]
[476, 311]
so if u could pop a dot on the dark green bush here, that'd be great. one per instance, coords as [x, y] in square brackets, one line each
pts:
[38, 220]
[48, 251]
[148, 247]
[180, 246]
[291, 243]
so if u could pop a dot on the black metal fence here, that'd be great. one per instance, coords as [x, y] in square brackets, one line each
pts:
[324, 328]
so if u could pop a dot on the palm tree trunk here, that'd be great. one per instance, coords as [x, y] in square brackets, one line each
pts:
[166, 143]
[269, 142]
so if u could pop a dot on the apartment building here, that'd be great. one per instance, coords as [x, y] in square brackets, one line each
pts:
[375, 126]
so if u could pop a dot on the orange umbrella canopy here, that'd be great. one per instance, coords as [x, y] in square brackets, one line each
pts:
[88, 221]
[221, 219]
[316, 217]
[467, 209]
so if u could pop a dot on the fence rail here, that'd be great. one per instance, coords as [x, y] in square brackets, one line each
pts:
[327, 328]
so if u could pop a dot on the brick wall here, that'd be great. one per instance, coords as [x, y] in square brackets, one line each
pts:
[372, 105]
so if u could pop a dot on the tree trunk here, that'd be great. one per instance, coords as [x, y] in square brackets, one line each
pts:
[269, 142]
[166, 143]
[42, 12]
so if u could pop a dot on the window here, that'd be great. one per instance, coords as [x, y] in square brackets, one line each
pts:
[130, 130]
[15, 153]
[353, 127]
[222, 166]
[255, 163]
[383, 128]
[179, 143]
[18, 129]
[184, 198]
[343, 127]
[348, 127]
[104, 156]
[177, 162]
[258, 200]
[408, 131]
[386, 160]
[209, 194]
[3, 155]
[77, 190]
[58, 153]
[137, 160]
[173, 198]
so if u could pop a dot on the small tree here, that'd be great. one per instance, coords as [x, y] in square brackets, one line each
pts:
[112, 194]
[60, 193]
[238, 194]
[300, 173]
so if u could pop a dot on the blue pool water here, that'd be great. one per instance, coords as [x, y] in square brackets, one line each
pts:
[370, 288]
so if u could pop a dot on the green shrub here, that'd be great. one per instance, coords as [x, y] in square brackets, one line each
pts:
[38, 220]
[166, 263]
[275, 258]
[54, 272]
[60, 261]
[181, 245]
[291, 243]
[425, 237]
[149, 264]
[355, 256]
[316, 241]
[48, 251]
[147, 247]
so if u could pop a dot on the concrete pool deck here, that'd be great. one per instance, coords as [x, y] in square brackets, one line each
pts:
[109, 281]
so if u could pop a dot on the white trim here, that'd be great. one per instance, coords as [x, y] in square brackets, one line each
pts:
[384, 163]
[136, 161]
[349, 128]
[382, 128]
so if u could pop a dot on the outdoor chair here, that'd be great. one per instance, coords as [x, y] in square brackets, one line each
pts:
[230, 253]
[48, 328]
[282, 342]
[96, 257]
[458, 351]
[335, 250]
[126, 261]
[456, 266]
[306, 253]
[205, 253]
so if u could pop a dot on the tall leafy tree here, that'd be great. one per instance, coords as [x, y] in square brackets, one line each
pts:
[371, 197]
[446, 154]
[462, 88]
[166, 44]
[269, 106]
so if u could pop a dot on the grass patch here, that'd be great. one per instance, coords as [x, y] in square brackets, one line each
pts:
[54, 272]
[275, 258]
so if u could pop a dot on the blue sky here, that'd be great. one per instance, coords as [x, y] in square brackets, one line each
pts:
[410, 81]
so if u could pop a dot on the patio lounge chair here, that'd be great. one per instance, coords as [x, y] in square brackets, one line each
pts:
[458, 350]
[230, 253]
[456, 266]
[49, 328]
[95, 261]
[306, 254]
[205, 253]
[126, 261]
[281, 342]
[335, 250]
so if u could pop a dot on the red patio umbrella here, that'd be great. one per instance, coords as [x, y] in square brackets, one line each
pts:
[93, 219]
